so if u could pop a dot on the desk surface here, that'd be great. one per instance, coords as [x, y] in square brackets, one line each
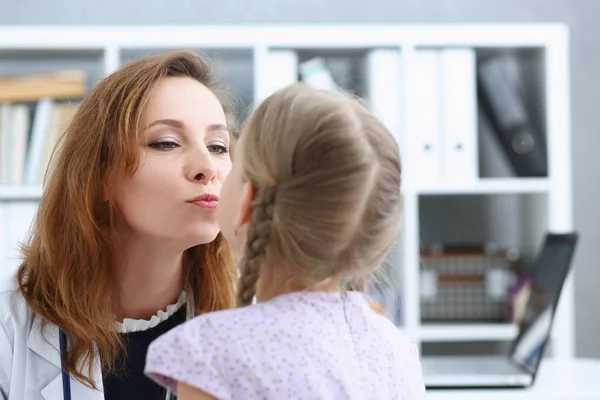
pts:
[556, 379]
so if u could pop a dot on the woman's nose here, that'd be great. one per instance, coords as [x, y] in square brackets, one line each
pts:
[204, 168]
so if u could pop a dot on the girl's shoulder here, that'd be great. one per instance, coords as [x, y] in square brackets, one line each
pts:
[212, 324]
[230, 325]
[271, 315]
[202, 350]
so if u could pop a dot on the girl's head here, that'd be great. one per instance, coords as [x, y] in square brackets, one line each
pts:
[316, 187]
[143, 146]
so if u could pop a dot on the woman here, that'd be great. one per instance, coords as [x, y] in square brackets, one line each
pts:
[126, 244]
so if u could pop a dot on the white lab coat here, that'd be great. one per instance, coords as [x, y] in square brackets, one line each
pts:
[29, 360]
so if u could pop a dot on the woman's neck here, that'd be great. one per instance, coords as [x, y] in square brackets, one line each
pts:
[150, 277]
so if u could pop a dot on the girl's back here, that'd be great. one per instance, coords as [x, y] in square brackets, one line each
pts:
[302, 345]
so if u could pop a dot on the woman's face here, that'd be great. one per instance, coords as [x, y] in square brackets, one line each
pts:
[183, 161]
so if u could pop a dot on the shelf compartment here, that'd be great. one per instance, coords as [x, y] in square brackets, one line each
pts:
[490, 186]
[466, 332]
[20, 193]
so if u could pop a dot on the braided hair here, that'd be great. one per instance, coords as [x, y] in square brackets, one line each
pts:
[259, 232]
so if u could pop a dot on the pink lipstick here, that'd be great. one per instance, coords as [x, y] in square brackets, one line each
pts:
[207, 201]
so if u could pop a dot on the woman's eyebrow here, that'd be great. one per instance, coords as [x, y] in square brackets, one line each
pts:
[217, 127]
[175, 123]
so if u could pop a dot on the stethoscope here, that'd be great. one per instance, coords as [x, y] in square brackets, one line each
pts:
[62, 342]
[66, 381]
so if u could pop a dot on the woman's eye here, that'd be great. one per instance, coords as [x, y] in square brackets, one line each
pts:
[164, 145]
[218, 149]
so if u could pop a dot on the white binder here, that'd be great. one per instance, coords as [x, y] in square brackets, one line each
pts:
[6, 146]
[459, 116]
[19, 132]
[4, 231]
[279, 71]
[423, 116]
[315, 73]
[39, 136]
[382, 88]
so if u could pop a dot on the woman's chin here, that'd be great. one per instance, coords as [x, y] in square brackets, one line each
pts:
[202, 236]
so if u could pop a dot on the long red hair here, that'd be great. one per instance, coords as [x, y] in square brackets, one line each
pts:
[67, 275]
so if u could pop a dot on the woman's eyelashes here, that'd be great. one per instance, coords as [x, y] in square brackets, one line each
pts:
[218, 148]
[164, 145]
[167, 145]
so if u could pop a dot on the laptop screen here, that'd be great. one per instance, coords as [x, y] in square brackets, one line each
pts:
[550, 271]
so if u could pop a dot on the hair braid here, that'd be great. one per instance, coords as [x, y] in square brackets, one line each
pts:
[259, 232]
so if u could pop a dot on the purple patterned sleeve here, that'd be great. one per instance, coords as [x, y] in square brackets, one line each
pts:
[415, 385]
[179, 356]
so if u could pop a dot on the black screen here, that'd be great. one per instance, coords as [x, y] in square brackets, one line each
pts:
[550, 271]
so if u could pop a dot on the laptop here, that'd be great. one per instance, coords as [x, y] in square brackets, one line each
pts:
[518, 368]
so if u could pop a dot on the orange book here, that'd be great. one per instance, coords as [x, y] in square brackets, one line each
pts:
[58, 85]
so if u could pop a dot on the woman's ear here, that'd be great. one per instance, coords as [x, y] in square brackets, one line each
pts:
[108, 186]
[105, 193]
[244, 211]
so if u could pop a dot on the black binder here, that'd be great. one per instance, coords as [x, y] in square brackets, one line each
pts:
[503, 104]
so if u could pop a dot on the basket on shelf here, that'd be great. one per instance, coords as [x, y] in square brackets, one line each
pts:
[467, 284]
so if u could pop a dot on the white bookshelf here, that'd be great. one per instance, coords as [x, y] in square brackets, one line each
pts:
[469, 333]
[10, 193]
[259, 59]
[491, 186]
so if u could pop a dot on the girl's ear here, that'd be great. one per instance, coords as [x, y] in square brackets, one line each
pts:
[244, 212]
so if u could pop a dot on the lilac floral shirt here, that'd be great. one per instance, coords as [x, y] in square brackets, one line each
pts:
[304, 345]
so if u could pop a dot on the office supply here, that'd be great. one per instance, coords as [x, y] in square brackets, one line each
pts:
[15, 138]
[39, 132]
[501, 100]
[280, 70]
[466, 283]
[382, 73]
[65, 84]
[520, 366]
[459, 115]
[5, 144]
[315, 72]
[423, 115]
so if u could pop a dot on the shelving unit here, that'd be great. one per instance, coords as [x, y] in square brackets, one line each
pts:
[19, 193]
[467, 333]
[378, 63]
[491, 186]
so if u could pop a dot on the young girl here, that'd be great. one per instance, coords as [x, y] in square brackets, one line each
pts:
[314, 202]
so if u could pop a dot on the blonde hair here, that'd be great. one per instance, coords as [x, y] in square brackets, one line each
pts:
[327, 177]
[67, 275]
